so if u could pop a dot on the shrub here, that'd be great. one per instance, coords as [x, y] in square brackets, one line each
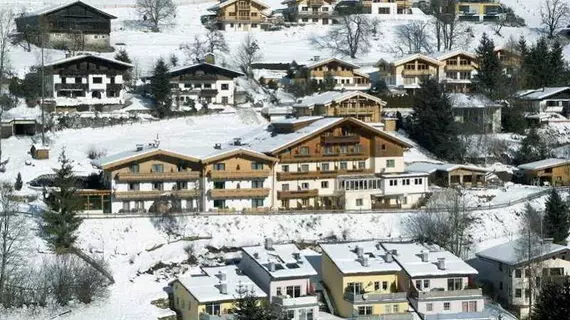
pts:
[96, 153]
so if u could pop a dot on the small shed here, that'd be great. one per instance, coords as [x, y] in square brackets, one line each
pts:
[39, 152]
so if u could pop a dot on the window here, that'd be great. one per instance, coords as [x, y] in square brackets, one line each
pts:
[305, 19]
[257, 184]
[361, 165]
[181, 185]
[219, 184]
[220, 204]
[254, 14]
[134, 186]
[426, 284]
[518, 273]
[304, 8]
[500, 267]
[417, 181]
[359, 202]
[384, 285]
[279, 292]
[134, 168]
[527, 273]
[354, 287]
[518, 293]
[158, 186]
[364, 310]
[315, 19]
[304, 186]
[325, 167]
[256, 166]
[376, 285]
[225, 86]
[329, 150]
[324, 184]
[63, 80]
[395, 308]
[219, 166]
[325, 8]
[304, 150]
[310, 315]
[454, 284]
[446, 306]
[527, 293]
[393, 183]
[305, 202]
[343, 165]
[112, 80]
[357, 148]
[429, 306]
[157, 168]
[77, 79]
[294, 291]
[390, 163]
[343, 149]
[97, 80]
[465, 306]
[253, 25]
[405, 182]
[285, 187]
[257, 203]
[304, 167]
[207, 85]
[472, 306]
[213, 309]
[419, 284]
[290, 314]
[383, 10]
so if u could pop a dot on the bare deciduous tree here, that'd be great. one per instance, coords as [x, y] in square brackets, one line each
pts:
[554, 13]
[248, 52]
[196, 50]
[413, 37]
[445, 23]
[156, 11]
[6, 26]
[216, 42]
[349, 38]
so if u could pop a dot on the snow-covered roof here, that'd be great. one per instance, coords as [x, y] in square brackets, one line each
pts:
[462, 100]
[543, 164]
[417, 56]
[205, 287]
[222, 4]
[288, 260]
[542, 93]
[409, 256]
[183, 68]
[51, 9]
[447, 55]
[136, 153]
[483, 315]
[431, 167]
[84, 56]
[510, 252]
[325, 61]
[333, 96]
[345, 257]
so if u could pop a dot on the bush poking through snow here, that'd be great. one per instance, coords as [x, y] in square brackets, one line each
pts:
[96, 153]
[191, 252]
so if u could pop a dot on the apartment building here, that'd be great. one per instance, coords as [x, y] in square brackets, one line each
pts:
[439, 283]
[203, 82]
[285, 275]
[240, 15]
[459, 67]
[310, 11]
[359, 105]
[479, 10]
[408, 72]
[511, 271]
[344, 74]
[211, 295]
[362, 279]
[83, 81]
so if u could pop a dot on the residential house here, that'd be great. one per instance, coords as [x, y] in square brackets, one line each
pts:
[515, 275]
[344, 74]
[510, 58]
[285, 275]
[440, 284]
[240, 15]
[408, 72]
[310, 11]
[203, 82]
[359, 105]
[476, 113]
[451, 175]
[459, 68]
[479, 10]
[546, 100]
[553, 172]
[84, 81]
[362, 279]
[387, 8]
[75, 25]
[211, 295]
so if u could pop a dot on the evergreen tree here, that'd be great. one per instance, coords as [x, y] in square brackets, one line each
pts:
[556, 219]
[556, 65]
[18, 185]
[248, 306]
[432, 124]
[489, 73]
[123, 55]
[537, 65]
[533, 148]
[553, 302]
[60, 222]
[160, 88]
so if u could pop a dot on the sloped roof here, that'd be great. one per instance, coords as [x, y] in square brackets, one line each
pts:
[223, 153]
[447, 55]
[430, 167]
[333, 96]
[185, 69]
[228, 2]
[131, 155]
[325, 61]
[417, 56]
[543, 93]
[543, 164]
[65, 5]
[85, 56]
[509, 253]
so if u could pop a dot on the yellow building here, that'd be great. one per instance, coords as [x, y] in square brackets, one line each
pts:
[212, 294]
[478, 10]
[362, 279]
[554, 172]
[240, 15]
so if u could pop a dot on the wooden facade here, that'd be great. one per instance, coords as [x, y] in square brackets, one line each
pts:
[555, 175]
[358, 105]
[458, 71]
[345, 75]
[240, 15]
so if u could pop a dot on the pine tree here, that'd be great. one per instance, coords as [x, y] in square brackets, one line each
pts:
[537, 65]
[556, 218]
[556, 65]
[60, 222]
[489, 73]
[433, 125]
[18, 185]
[160, 88]
[248, 306]
[553, 302]
[533, 148]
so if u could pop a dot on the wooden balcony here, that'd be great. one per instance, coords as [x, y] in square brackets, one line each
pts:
[243, 6]
[299, 194]
[341, 139]
[334, 156]
[158, 176]
[416, 72]
[459, 67]
[242, 19]
[285, 176]
[155, 194]
[239, 175]
[316, 3]
[114, 87]
[239, 193]
[71, 86]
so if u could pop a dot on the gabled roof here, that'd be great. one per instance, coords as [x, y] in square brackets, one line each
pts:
[65, 5]
[86, 56]
[544, 164]
[228, 2]
[333, 96]
[224, 153]
[430, 167]
[133, 155]
[543, 93]
[447, 55]
[417, 56]
[325, 61]
[221, 70]
[509, 253]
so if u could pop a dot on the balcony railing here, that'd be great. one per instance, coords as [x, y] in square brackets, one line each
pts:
[208, 92]
[375, 297]
[71, 86]
[332, 156]
[155, 194]
[316, 3]
[205, 316]
[239, 193]
[341, 139]
[445, 294]
[416, 72]
[237, 175]
[299, 194]
[158, 176]
[283, 176]
[114, 87]
[242, 19]
[459, 67]
[303, 301]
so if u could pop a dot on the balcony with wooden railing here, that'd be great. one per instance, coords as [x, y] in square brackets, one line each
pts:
[335, 155]
[238, 175]
[157, 176]
[300, 175]
[417, 72]
[71, 86]
[155, 194]
[459, 67]
[341, 139]
[242, 193]
[298, 194]
[241, 19]
[316, 3]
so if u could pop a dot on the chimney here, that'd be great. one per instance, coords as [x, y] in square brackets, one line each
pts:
[359, 251]
[222, 276]
[441, 263]
[268, 244]
[223, 288]
[210, 58]
[140, 147]
[296, 255]
[389, 257]
[271, 266]
[218, 146]
[256, 255]
[317, 58]
[394, 252]
[237, 141]
[364, 261]
[425, 256]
